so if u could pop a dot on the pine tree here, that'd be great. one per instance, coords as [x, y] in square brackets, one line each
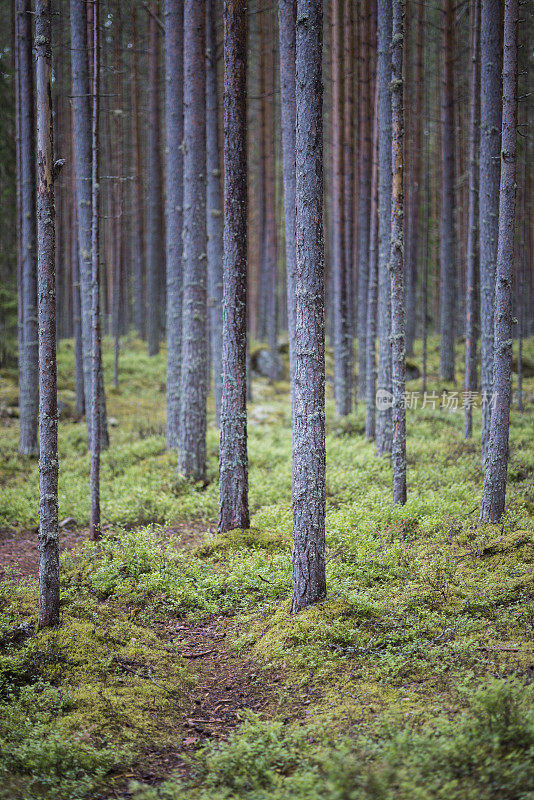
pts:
[309, 459]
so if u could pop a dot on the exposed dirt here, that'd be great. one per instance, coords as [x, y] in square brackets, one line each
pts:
[19, 550]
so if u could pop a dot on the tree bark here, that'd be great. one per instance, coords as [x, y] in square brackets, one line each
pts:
[214, 211]
[349, 170]
[489, 165]
[174, 115]
[28, 355]
[192, 441]
[372, 288]
[470, 374]
[494, 490]
[155, 240]
[138, 226]
[384, 433]
[233, 459]
[46, 282]
[448, 239]
[309, 459]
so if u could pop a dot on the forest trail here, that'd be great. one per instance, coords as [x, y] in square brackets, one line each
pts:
[223, 682]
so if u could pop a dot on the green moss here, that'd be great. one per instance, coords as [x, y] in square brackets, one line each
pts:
[239, 539]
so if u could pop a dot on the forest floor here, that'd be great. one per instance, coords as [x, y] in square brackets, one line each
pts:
[178, 670]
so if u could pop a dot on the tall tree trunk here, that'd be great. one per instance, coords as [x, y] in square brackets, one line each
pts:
[155, 243]
[342, 376]
[83, 161]
[398, 358]
[490, 144]
[372, 287]
[494, 491]
[96, 383]
[46, 287]
[383, 437]
[309, 459]
[349, 170]
[28, 355]
[192, 442]
[286, 26]
[233, 459]
[470, 375]
[174, 115]
[118, 266]
[214, 218]
[138, 227]
[448, 241]
[76, 302]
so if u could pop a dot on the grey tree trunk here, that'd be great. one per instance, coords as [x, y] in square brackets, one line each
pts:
[81, 102]
[233, 459]
[155, 296]
[489, 165]
[448, 238]
[138, 228]
[349, 171]
[309, 459]
[28, 355]
[470, 375]
[76, 298]
[396, 266]
[342, 376]
[214, 218]
[96, 365]
[46, 287]
[192, 440]
[372, 289]
[494, 491]
[286, 26]
[384, 433]
[174, 115]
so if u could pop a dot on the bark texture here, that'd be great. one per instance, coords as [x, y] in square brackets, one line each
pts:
[192, 440]
[46, 283]
[214, 214]
[309, 460]
[396, 266]
[233, 459]
[174, 118]
[372, 290]
[490, 142]
[494, 491]
[383, 436]
[138, 226]
[448, 239]
[28, 355]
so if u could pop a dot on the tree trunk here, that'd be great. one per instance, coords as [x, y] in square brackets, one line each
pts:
[155, 241]
[214, 218]
[349, 170]
[76, 303]
[174, 115]
[490, 143]
[286, 25]
[192, 442]
[309, 459]
[138, 227]
[28, 355]
[398, 356]
[470, 377]
[448, 245]
[372, 288]
[233, 459]
[46, 282]
[96, 371]
[494, 491]
[116, 144]
[383, 437]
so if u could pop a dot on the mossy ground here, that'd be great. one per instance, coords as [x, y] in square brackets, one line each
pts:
[424, 609]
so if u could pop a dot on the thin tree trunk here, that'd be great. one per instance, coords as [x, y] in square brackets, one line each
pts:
[398, 358]
[174, 114]
[349, 170]
[309, 459]
[96, 383]
[372, 287]
[192, 441]
[214, 212]
[28, 355]
[494, 491]
[46, 283]
[233, 459]
[118, 267]
[448, 239]
[155, 241]
[470, 300]
[138, 227]
[286, 25]
[384, 433]
[490, 143]
[76, 303]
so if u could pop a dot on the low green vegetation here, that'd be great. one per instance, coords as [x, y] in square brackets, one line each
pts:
[412, 680]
